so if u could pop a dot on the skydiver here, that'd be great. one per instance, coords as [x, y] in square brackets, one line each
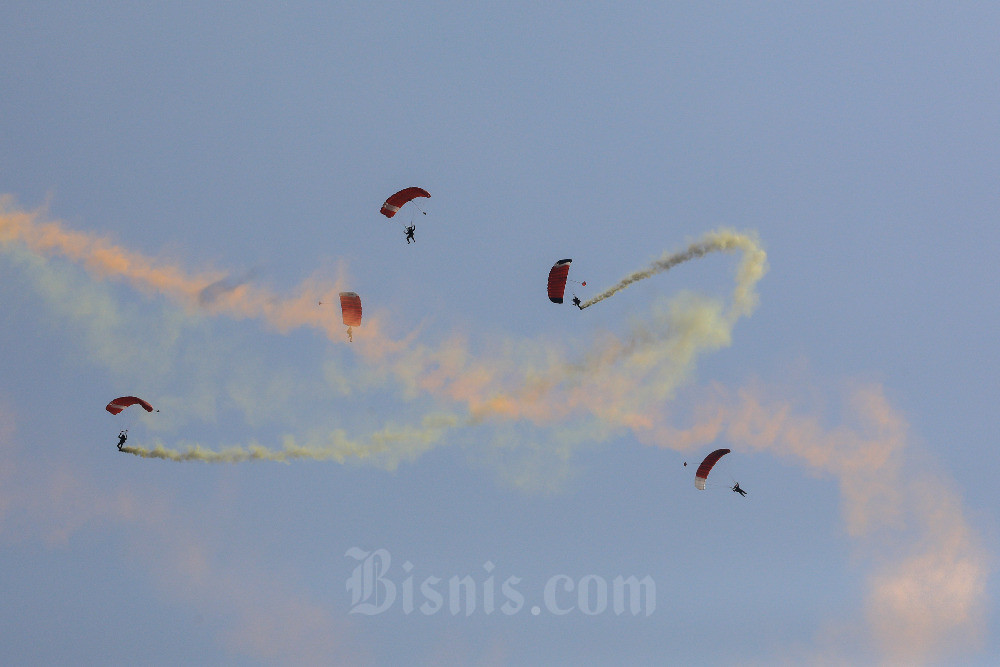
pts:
[737, 489]
[576, 302]
[350, 334]
[122, 437]
[409, 234]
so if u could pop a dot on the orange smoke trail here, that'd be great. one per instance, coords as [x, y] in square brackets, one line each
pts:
[927, 600]
[932, 588]
[537, 384]
[108, 260]
[98, 255]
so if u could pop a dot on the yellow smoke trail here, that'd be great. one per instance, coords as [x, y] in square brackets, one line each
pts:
[718, 241]
[536, 381]
[619, 379]
[932, 590]
[387, 447]
[541, 386]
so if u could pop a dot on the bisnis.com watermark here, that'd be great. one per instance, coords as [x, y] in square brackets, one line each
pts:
[376, 588]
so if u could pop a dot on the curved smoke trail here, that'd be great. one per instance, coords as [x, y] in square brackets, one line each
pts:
[927, 594]
[717, 241]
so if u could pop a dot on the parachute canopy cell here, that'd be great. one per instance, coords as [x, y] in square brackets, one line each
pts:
[396, 201]
[557, 280]
[701, 476]
[350, 307]
[122, 402]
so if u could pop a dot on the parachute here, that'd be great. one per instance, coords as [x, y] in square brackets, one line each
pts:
[701, 476]
[350, 308]
[557, 280]
[396, 201]
[119, 404]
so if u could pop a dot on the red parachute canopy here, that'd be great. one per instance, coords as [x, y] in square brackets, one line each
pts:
[701, 476]
[557, 280]
[393, 203]
[350, 307]
[119, 404]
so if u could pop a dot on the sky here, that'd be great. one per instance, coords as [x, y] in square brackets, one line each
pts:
[798, 201]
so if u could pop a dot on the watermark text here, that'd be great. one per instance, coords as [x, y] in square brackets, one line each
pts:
[376, 587]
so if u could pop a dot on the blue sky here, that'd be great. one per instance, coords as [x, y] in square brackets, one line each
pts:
[473, 429]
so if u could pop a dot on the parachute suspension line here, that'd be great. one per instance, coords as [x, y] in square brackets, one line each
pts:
[417, 207]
